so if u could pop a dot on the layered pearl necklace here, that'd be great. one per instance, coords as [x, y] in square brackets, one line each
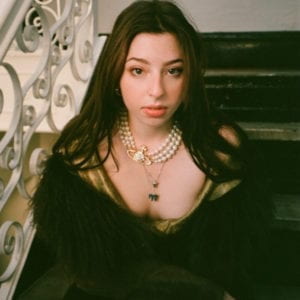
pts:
[141, 154]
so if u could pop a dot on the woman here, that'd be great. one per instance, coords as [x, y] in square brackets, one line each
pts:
[149, 171]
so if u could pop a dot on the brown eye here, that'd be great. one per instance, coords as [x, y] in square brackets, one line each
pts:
[137, 71]
[175, 71]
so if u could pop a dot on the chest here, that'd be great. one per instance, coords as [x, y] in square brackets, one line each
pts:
[176, 185]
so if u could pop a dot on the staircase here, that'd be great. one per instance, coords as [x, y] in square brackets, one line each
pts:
[255, 78]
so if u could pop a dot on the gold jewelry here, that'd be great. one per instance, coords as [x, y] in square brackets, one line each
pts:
[153, 195]
[141, 155]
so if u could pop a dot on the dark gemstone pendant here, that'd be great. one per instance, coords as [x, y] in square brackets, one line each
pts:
[153, 197]
[155, 184]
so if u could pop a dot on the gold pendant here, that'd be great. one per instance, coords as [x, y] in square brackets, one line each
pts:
[140, 155]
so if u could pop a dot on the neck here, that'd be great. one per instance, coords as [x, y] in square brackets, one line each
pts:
[141, 151]
[150, 136]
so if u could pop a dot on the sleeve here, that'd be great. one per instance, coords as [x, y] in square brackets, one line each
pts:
[87, 232]
[228, 238]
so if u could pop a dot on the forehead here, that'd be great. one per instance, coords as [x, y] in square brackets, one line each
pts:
[163, 46]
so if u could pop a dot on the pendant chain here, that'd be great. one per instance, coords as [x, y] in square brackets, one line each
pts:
[141, 155]
[153, 196]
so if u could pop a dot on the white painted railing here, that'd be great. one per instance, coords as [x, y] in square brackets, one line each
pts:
[47, 53]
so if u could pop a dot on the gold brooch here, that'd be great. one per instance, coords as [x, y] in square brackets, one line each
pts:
[140, 155]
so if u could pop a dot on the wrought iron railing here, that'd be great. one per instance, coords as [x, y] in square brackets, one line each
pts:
[47, 54]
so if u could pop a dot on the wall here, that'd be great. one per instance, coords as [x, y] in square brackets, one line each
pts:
[221, 15]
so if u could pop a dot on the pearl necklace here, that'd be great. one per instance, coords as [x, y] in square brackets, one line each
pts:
[141, 155]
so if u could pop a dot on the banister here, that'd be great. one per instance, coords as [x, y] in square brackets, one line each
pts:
[48, 50]
[12, 14]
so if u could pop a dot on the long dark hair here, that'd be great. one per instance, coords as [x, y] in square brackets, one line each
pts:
[199, 122]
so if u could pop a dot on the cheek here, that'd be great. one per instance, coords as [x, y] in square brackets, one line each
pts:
[178, 90]
[123, 84]
[127, 86]
[128, 92]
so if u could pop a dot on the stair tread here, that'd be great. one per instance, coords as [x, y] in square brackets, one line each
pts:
[241, 72]
[289, 131]
[287, 207]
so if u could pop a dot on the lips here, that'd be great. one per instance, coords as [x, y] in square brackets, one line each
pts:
[154, 111]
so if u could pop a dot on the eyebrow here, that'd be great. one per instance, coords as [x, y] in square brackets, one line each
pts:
[142, 60]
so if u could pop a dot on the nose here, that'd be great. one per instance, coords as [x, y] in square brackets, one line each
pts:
[156, 86]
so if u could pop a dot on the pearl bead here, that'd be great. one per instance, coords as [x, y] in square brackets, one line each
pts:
[164, 151]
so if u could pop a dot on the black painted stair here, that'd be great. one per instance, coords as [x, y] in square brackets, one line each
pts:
[254, 77]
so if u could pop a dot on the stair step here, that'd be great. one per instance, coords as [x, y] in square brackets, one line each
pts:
[272, 131]
[256, 72]
[287, 211]
[253, 49]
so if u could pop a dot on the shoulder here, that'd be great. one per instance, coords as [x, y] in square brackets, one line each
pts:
[227, 129]
[56, 165]
[232, 146]
[58, 178]
[231, 134]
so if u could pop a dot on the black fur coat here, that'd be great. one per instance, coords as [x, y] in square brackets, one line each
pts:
[100, 244]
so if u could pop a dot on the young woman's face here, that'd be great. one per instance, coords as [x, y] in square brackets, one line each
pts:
[153, 77]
